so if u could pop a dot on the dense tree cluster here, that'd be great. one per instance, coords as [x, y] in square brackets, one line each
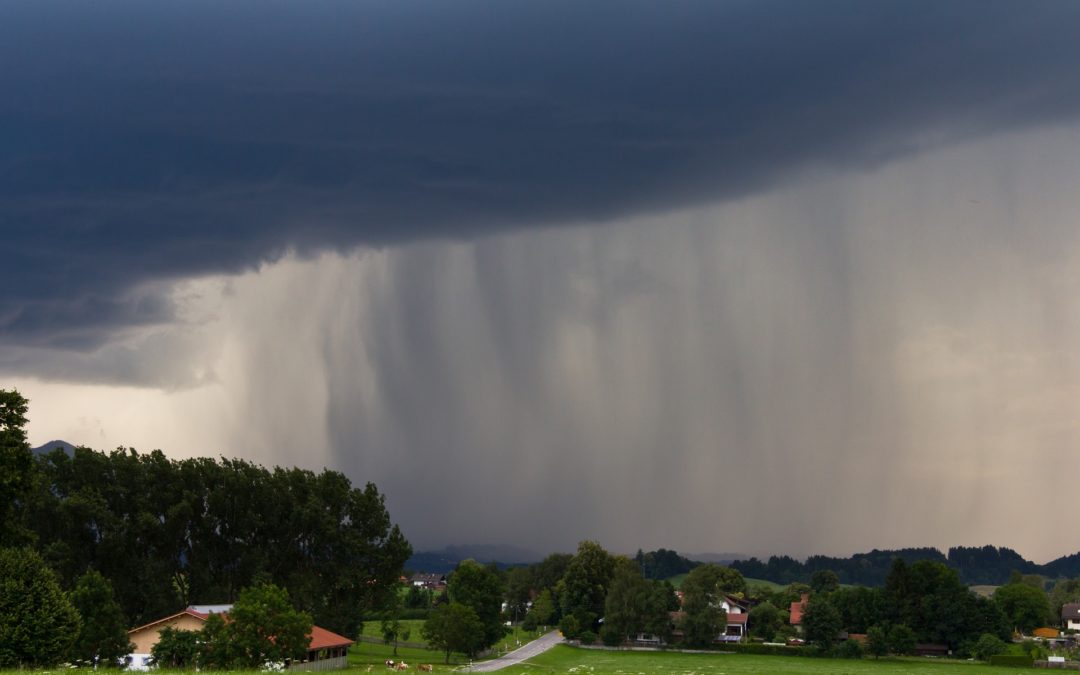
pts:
[636, 605]
[168, 533]
[134, 537]
[921, 602]
[663, 564]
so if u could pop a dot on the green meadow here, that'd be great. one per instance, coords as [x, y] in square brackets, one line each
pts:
[565, 659]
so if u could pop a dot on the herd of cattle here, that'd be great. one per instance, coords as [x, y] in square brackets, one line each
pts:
[401, 665]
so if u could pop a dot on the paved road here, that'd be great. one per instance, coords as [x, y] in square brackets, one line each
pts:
[537, 646]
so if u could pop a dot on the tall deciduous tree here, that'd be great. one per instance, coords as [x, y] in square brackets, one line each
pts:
[479, 587]
[824, 581]
[766, 619]
[624, 609]
[16, 467]
[453, 627]
[38, 624]
[1025, 606]
[877, 641]
[543, 609]
[583, 589]
[263, 627]
[519, 585]
[703, 619]
[821, 622]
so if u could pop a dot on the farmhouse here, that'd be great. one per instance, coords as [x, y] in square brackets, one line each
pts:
[326, 650]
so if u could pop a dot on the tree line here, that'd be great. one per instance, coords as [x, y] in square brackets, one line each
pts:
[159, 534]
[977, 565]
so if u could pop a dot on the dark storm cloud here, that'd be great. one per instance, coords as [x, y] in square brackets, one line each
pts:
[154, 141]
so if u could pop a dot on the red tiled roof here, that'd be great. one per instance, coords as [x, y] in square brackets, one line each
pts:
[797, 609]
[322, 639]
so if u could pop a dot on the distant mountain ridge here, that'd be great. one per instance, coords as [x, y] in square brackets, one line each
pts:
[448, 558]
[46, 448]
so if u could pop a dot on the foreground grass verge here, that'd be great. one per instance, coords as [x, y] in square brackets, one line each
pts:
[565, 659]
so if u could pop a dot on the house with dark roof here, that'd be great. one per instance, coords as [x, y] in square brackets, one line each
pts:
[434, 582]
[1070, 615]
[326, 650]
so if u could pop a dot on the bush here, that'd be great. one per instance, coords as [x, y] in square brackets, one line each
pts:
[990, 645]
[569, 627]
[850, 649]
[611, 636]
[529, 622]
[901, 640]
[1011, 660]
[587, 637]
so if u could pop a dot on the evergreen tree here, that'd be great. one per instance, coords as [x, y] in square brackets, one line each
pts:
[103, 638]
[38, 624]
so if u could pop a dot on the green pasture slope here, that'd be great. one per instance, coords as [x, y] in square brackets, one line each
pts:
[565, 659]
[677, 580]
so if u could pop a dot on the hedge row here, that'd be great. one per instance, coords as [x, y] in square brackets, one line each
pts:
[1012, 660]
[771, 650]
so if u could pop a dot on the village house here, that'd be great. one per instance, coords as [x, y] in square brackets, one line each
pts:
[1070, 615]
[326, 650]
[737, 616]
[796, 611]
[432, 582]
[737, 622]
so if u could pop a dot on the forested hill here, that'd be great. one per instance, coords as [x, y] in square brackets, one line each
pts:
[975, 565]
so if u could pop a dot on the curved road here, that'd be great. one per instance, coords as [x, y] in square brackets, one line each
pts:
[537, 646]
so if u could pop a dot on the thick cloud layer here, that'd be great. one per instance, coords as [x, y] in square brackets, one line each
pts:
[142, 143]
[852, 362]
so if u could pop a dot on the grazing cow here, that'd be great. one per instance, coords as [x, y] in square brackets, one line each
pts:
[389, 663]
[424, 667]
[402, 666]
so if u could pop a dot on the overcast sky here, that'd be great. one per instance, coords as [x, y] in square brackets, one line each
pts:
[765, 277]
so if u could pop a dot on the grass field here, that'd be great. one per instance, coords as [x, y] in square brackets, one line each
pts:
[373, 629]
[771, 585]
[364, 654]
[564, 659]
